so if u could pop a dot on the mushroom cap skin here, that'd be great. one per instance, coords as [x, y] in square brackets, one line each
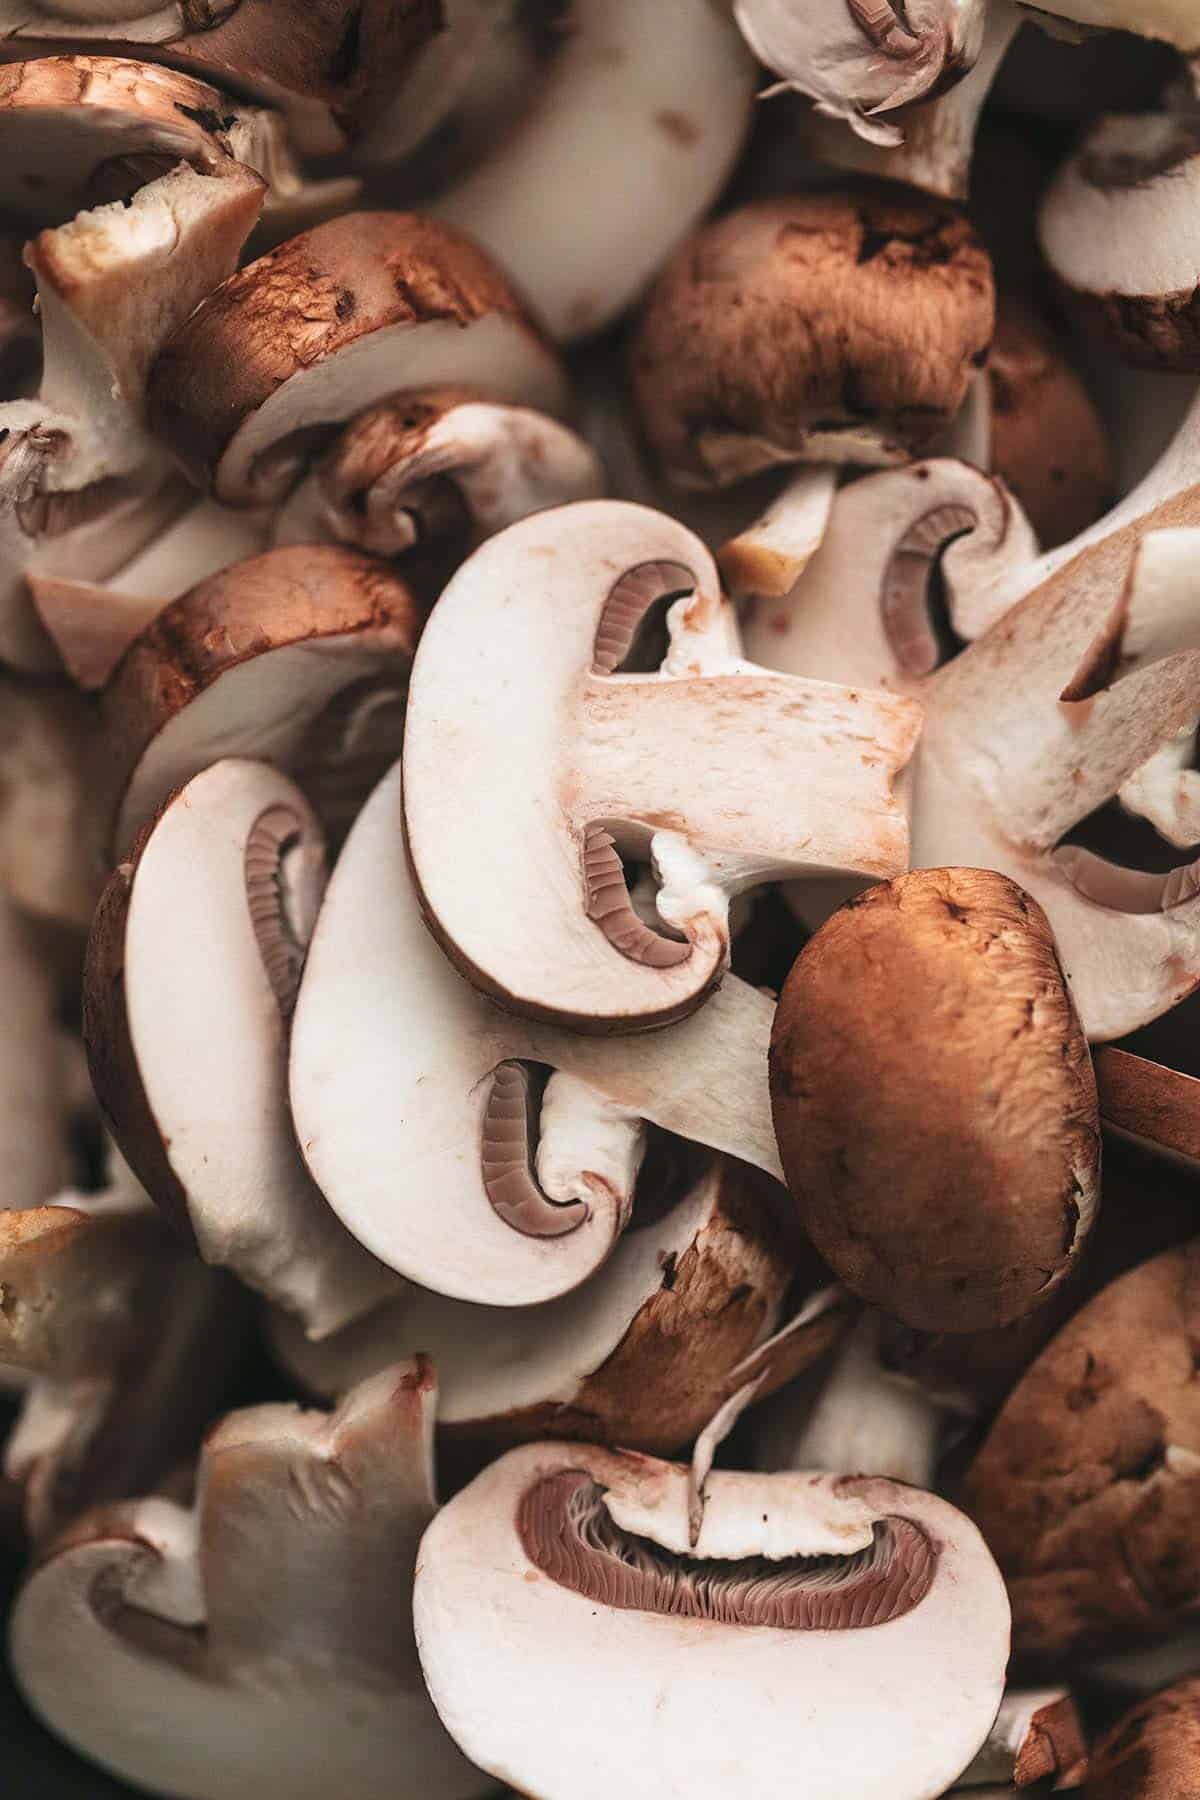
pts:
[707, 1703]
[949, 1171]
[257, 661]
[520, 693]
[192, 970]
[325, 325]
[1118, 228]
[1087, 1485]
[1153, 1752]
[834, 326]
[179, 1649]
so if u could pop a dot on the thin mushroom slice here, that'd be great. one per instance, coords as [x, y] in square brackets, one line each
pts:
[1153, 1751]
[641, 1355]
[344, 315]
[515, 695]
[1157, 1106]
[565, 1563]
[195, 1618]
[393, 1068]
[192, 971]
[274, 658]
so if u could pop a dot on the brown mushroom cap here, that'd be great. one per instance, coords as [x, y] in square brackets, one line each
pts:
[1087, 1486]
[1153, 1753]
[934, 1101]
[831, 326]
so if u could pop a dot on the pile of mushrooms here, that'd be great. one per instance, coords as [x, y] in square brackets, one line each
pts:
[600, 898]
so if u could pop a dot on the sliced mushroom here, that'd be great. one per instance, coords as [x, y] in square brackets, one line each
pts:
[1158, 1107]
[340, 317]
[652, 100]
[1038, 1736]
[1174, 21]
[406, 1082]
[52, 862]
[193, 967]
[948, 1172]
[1086, 1488]
[284, 658]
[834, 326]
[1153, 1752]
[574, 1564]
[34, 1089]
[526, 689]
[195, 1619]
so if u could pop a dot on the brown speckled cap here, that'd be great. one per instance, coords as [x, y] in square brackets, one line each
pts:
[1153, 1752]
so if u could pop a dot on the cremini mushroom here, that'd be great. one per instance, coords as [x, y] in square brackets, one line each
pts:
[538, 681]
[837, 325]
[1086, 1486]
[193, 967]
[1153, 1751]
[176, 1647]
[565, 1563]
[949, 1171]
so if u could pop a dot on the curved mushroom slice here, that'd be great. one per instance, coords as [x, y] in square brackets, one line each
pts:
[193, 967]
[1038, 1736]
[34, 1086]
[1087, 1486]
[82, 486]
[326, 325]
[1153, 1752]
[520, 686]
[951, 1174]
[283, 658]
[440, 471]
[393, 1050]
[1159, 1107]
[564, 1563]
[196, 1619]
[642, 1355]
[840, 325]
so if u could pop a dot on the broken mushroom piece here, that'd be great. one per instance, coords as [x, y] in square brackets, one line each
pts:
[299, 657]
[193, 966]
[1153, 1752]
[194, 1618]
[539, 685]
[248, 389]
[574, 1564]
[948, 1172]
[839, 325]
[1087, 1485]
[1156, 1106]
[1038, 1736]
[642, 1355]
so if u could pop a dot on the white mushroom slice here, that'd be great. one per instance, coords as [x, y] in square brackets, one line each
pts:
[82, 486]
[424, 467]
[519, 692]
[324, 326]
[646, 100]
[193, 967]
[1038, 1736]
[281, 658]
[34, 1100]
[196, 1621]
[399, 1066]
[641, 1355]
[564, 1564]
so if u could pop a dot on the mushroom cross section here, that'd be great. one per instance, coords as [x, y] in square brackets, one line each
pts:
[719, 773]
[196, 1619]
[408, 1083]
[566, 1562]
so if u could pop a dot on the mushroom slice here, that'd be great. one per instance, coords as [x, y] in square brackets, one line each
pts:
[788, 331]
[82, 486]
[1118, 229]
[1174, 21]
[859, 60]
[338, 318]
[394, 1072]
[34, 1087]
[195, 1618]
[950, 1175]
[192, 972]
[438, 470]
[1038, 1736]
[1153, 1752]
[1087, 1485]
[275, 658]
[52, 861]
[642, 1355]
[520, 691]
[565, 1563]
[1159, 1107]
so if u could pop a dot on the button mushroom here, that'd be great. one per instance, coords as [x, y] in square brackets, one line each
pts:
[876, 1603]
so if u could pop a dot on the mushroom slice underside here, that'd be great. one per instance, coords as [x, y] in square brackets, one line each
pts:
[684, 762]
[383, 1129]
[192, 972]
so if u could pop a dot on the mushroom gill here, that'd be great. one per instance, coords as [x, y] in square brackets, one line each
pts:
[610, 907]
[508, 1133]
[905, 595]
[630, 602]
[284, 878]
[568, 1533]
